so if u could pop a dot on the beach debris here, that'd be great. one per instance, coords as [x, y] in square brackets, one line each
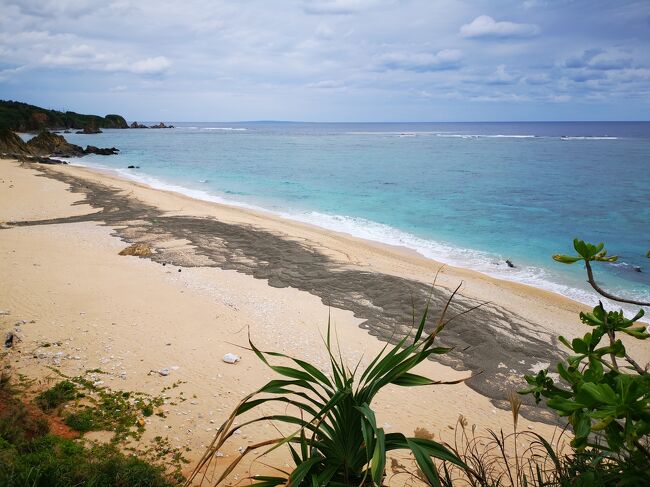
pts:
[164, 372]
[4, 312]
[138, 250]
[9, 340]
[179, 270]
[510, 264]
[231, 358]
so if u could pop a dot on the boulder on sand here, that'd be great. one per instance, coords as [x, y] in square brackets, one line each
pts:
[138, 250]
[10, 143]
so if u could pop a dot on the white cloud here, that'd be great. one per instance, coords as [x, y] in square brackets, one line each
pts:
[422, 62]
[485, 26]
[153, 65]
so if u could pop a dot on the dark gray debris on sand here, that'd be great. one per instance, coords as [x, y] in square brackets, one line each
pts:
[483, 338]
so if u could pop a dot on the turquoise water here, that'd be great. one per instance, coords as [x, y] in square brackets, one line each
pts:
[468, 194]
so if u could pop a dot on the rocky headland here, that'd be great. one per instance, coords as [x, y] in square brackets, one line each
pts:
[22, 117]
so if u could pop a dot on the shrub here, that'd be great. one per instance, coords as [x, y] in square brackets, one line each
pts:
[57, 395]
[605, 393]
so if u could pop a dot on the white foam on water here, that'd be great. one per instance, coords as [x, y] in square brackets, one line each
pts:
[490, 264]
[229, 129]
[453, 135]
[589, 137]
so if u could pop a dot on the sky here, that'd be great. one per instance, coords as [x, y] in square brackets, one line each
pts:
[330, 60]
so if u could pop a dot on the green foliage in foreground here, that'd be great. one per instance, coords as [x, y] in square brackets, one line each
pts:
[99, 409]
[52, 461]
[338, 441]
[605, 394]
[30, 456]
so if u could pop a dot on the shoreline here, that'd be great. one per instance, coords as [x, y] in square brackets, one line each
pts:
[404, 251]
[525, 275]
[227, 270]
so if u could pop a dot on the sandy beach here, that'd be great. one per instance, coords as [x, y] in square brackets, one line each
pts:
[219, 271]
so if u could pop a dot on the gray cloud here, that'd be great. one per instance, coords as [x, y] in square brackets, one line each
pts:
[325, 59]
[340, 7]
[422, 62]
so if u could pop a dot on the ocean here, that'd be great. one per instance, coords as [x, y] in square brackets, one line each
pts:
[468, 194]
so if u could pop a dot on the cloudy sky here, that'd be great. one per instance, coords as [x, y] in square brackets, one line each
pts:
[330, 60]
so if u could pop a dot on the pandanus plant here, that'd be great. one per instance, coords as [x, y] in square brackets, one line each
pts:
[336, 440]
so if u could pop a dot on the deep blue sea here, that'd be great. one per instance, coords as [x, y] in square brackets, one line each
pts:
[468, 194]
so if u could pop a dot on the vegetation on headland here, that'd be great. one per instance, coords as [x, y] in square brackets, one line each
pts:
[338, 442]
[22, 117]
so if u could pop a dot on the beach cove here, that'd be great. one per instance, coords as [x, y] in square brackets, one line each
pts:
[219, 271]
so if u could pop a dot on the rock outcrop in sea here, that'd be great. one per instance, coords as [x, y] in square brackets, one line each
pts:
[49, 144]
[90, 129]
[106, 151]
[161, 125]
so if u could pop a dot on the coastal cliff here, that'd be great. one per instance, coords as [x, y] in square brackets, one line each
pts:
[22, 117]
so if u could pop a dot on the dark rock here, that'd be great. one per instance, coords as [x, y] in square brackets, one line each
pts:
[106, 151]
[136, 125]
[89, 129]
[67, 132]
[133, 167]
[49, 144]
[510, 264]
[9, 340]
[637, 268]
[161, 125]
[12, 144]
[116, 121]
[39, 159]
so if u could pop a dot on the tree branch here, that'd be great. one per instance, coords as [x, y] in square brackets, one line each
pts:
[601, 291]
